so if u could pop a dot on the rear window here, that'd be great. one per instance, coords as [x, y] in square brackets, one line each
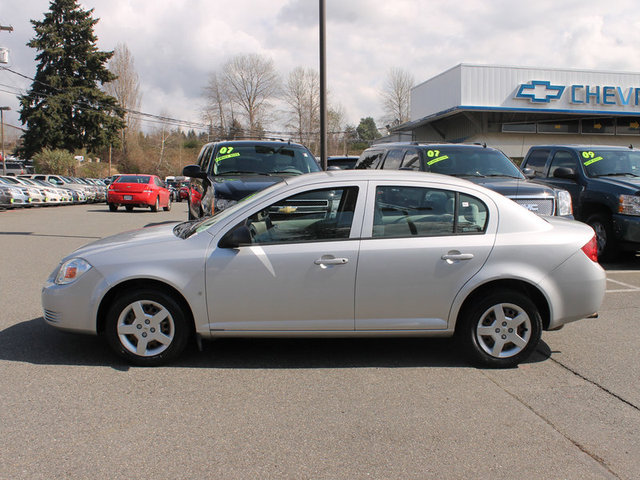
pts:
[133, 179]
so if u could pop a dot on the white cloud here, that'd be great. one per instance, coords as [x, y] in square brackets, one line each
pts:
[177, 43]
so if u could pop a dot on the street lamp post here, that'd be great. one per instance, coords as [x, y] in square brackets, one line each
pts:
[4, 159]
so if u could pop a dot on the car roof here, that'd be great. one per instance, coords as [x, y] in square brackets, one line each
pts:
[430, 145]
[584, 147]
[377, 175]
[255, 142]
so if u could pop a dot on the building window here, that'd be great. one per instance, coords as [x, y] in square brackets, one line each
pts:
[518, 128]
[628, 126]
[566, 126]
[598, 126]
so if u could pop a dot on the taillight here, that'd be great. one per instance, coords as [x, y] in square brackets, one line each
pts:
[591, 249]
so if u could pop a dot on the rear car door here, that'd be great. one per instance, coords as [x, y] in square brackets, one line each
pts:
[424, 244]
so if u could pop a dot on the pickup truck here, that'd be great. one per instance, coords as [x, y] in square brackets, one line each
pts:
[604, 183]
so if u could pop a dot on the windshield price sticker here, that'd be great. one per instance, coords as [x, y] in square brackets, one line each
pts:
[435, 157]
[226, 152]
[590, 158]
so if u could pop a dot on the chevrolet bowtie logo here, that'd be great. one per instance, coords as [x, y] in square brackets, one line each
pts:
[538, 91]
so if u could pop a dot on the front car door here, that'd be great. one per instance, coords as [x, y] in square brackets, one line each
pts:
[424, 244]
[566, 159]
[298, 273]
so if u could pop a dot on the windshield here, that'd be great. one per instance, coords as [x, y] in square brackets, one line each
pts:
[263, 160]
[188, 228]
[600, 163]
[472, 162]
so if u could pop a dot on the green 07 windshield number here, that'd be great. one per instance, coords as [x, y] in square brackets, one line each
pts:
[226, 152]
[434, 157]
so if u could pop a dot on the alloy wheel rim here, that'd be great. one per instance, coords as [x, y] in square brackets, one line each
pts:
[145, 328]
[504, 330]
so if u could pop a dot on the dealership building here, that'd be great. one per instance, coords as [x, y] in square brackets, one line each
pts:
[512, 108]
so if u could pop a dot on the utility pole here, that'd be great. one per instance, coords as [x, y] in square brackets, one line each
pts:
[323, 88]
[4, 58]
[4, 159]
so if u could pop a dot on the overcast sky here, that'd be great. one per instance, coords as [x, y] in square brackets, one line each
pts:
[176, 44]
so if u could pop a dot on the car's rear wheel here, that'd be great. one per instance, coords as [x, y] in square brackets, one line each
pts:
[168, 207]
[113, 207]
[156, 205]
[147, 327]
[500, 330]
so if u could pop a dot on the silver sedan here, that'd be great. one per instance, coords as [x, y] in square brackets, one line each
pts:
[349, 253]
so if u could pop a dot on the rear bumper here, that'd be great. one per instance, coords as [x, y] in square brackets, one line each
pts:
[130, 198]
[576, 290]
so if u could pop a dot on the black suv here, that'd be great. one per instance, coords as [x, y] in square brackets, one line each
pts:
[229, 171]
[478, 163]
[604, 183]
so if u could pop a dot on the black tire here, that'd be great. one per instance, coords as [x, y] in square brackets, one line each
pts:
[113, 207]
[156, 205]
[601, 224]
[147, 327]
[500, 330]
[168, 207]
[129, 208]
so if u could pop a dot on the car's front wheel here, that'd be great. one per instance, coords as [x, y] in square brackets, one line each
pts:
[500, 330]
[604, 235]
[147, 327]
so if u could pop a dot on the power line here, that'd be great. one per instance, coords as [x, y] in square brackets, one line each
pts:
[149, 117]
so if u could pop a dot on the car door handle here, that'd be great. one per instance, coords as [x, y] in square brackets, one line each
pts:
[453, 257]
[331, 261]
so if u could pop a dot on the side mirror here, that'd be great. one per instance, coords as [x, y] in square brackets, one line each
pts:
[529, 172]
[565, 172]
[193, 171]
[237, 236]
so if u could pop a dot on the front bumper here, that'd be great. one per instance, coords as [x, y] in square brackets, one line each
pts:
[626, 229]
[73, 307]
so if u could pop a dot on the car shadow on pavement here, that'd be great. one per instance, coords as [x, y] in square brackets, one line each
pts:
[35, 342]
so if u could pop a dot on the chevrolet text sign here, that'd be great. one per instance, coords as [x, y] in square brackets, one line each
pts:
[544, 92]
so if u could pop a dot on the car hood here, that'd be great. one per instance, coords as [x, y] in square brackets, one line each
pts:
[512, 187]
[632, 183]
[142, 238]
[237, 187]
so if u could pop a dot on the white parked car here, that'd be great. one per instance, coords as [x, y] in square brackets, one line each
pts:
[349, 253]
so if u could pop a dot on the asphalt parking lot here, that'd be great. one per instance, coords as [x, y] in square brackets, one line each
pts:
[303, 408]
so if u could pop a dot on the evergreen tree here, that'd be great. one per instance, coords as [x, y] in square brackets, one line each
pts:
[367, 129]
[65, 108]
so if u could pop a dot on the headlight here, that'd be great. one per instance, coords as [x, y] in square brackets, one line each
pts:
[71, 270]
[629, 205]
[222, 203]
[565, 206]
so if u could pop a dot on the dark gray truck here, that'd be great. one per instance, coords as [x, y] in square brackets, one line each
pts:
[604, 183]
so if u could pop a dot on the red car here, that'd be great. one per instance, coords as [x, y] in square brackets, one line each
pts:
[138, 191]
[183, 193]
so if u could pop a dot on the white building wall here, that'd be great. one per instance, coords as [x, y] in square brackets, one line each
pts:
[496, 87]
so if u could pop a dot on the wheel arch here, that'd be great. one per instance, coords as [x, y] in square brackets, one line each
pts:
[592, 208]
[129, 285]
[531, 291]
